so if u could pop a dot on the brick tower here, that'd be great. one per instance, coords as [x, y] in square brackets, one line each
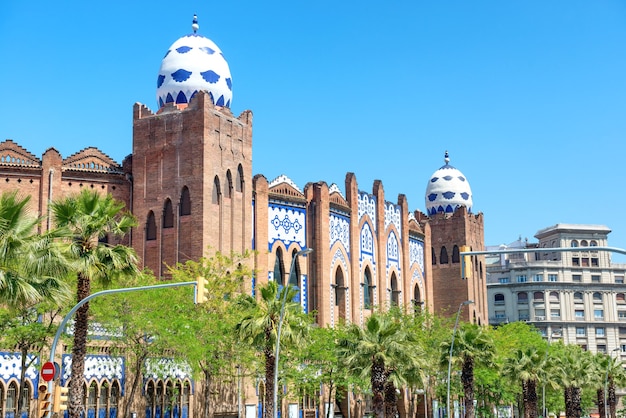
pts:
[452, 226]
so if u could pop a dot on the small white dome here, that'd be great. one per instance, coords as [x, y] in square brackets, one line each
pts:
[194, 63]
[447, 190]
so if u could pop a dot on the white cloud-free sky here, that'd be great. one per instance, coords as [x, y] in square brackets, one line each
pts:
[528, 96]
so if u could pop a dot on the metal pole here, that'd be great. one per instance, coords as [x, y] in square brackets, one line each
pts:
[280, 325]
[456, 324]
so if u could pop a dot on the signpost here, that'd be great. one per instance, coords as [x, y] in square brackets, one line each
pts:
[49, 371]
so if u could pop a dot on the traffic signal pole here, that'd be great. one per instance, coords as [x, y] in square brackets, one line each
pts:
[53, 348]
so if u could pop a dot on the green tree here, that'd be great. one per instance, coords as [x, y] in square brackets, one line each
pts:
[473, 346]
[572, 366]
[91, 220]
[31, 282]
[259, 327]
[527, 365]
[377, 350]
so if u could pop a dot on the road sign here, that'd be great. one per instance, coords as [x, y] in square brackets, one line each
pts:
[49, 371]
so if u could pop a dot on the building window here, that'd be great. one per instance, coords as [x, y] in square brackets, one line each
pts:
[574, 243]
[576, 261]
[521, 278]
[600, 332]
[585, 262]
[597, 297]
[538, 296]
[594, 262]
[581, 331]
[455, 254]
[443, 256]
[577, 278]
[555, 313]
[578, 297]
[595, 278]
[619, 279]
[554, 296]
[552, 277]
[523, 315]
[538, 278]
[579, 314]
[522, 297]
[540, 314]
[598, 313]
[601, 348]
[151, 233]
[168, 214]
[498, 299]
[185, 202]
[622, 331]
[500, 315]
[621, 315]
[620, 298]
[503, 280]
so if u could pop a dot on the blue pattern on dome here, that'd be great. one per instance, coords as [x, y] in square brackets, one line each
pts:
[434, 179]
[169, 98]
[449, 209]
[461, 178]
[210, 76]
[229, 83]
[181, 75]
[465, 196]
[448, 178]
[161, 102]
[228, 103]
[183, 49]
[193, 95]
[220, 101]
[432, 197]
[208, 50]
[448, 195]
[167, 53]
[160, 80]
[181, 98]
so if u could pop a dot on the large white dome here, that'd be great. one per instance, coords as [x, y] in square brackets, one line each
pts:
[447, 190]
[194, 63]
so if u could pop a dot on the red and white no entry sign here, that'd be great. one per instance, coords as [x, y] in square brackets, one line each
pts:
[49, 371]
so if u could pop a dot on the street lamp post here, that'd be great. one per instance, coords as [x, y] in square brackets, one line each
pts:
[606, 382]
[456, 324]
[280, 325]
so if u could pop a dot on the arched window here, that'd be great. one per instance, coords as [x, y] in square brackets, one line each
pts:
[554, 296]
[498, 299]
[11, 406]
[103, 399]
[279, 270]
[168, 214]
[92, 399]
[455, 254]
[597, 297]
[216, 192]
[417, 298]
[578, 297]
[186, 398]
[150, 400]
[368, 291]
[151, 229]
[294, 276]
[395, 292]
[522, 297]
[574, 243]
[443, 256]
[25, 411]
[239, 179]
[229, 186]
[114, 400]
[434, 256]
[185, 202]
[169, 400]
[620, 298]
[584, 243]
[593, 243]
[538, 296]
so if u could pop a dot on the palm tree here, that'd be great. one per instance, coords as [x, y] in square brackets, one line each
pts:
[527, 365]
[473, 346]
[90, 219]
[31, 276]
[379, 349]
[610, 371]
[572, 368]
[259, 328]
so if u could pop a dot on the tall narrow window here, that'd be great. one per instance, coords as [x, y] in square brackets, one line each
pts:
[185, 202]
[239, 179]
[151, 230]
[368, 296]
[229, 186]
[434, 256]
[279, 270]
[168, 214]
[395, 292]
[455, 254]
[443, 257]
[216, 193]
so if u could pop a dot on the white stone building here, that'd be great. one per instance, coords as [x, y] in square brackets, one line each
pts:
[577, 295]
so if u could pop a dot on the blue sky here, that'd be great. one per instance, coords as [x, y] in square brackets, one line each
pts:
[528, 96]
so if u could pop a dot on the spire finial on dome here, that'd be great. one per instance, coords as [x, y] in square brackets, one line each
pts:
[446, 157]
[194, 24]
